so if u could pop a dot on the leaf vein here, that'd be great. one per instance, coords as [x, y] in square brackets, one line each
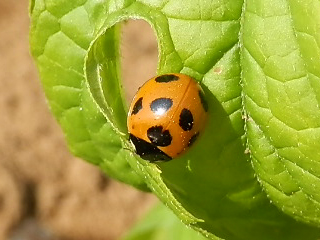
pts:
[282, 159]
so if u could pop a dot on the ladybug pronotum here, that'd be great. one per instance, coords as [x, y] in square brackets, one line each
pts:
[166, 116]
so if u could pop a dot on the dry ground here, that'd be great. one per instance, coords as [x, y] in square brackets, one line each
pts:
[45, 192]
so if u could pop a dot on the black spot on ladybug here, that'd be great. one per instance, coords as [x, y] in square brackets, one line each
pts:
[137, 106]
[159, 137]
[203, 101]
[186, 120]
[167, 78]
[193, 139]
[148, 151]
[161, 105]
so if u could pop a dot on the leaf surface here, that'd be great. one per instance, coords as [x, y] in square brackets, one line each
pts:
[255, 170]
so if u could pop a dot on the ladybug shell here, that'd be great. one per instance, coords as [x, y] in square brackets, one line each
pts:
[166, 116]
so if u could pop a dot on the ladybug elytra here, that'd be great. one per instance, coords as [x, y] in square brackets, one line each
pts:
[166, 116]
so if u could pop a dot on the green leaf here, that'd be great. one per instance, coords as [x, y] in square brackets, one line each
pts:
[169, 228]
[281, 83]
[254, 173]
[60, 35]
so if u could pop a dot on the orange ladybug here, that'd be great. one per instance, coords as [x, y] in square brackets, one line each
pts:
[166, 116]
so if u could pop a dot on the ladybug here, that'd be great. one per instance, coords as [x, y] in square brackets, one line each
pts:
[166, 116]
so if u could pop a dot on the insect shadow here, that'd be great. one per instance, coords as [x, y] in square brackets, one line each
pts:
[214, 167]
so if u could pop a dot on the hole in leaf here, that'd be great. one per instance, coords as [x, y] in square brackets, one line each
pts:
[139, 55]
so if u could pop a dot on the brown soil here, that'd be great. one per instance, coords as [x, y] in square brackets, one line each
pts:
[45, 192]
